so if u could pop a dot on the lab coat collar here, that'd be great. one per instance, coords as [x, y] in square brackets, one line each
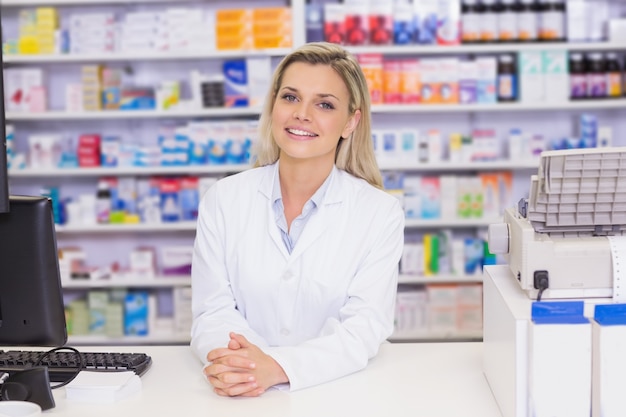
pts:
[324, 218]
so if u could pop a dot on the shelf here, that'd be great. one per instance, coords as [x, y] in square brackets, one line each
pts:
[462, 166]
[379, 108]
[426, 335]
[619, 103]
[156, 282]
[43, 3]
[428, 223]
[141, 56]
[133, 114]
[127, 171]
[230, 168]
[97, 340]
[485, 48]
[191, 225]
[139, 227]
[439, 279]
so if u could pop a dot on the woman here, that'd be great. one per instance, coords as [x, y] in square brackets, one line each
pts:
[296, 261]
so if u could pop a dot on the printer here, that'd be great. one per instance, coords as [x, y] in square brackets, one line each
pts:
[568, 239]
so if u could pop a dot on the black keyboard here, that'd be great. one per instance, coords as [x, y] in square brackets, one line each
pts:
[62, 365]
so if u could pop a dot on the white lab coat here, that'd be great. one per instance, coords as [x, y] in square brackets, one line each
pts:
[322, 311]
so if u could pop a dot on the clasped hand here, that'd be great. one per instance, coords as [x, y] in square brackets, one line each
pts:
[242, 369]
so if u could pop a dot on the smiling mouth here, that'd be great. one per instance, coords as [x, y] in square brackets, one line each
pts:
[302, 133]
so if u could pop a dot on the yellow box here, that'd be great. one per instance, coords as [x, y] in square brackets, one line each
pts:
[28, 30]
[28, 45]
[46, 13]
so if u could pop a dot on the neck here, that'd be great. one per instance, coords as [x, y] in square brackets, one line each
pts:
[299, 180]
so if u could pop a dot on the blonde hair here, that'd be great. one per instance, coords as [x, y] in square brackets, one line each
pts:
[354, 155]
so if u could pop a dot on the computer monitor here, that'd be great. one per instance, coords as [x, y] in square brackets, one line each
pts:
[4, 177]
[31, 299]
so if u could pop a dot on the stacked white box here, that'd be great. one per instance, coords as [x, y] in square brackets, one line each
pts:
[92, 33]
[608, 361]
[142, 32]
[559, 360]
[506, 340]
[182, 309]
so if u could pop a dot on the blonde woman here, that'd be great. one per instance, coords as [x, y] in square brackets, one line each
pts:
[295, 262]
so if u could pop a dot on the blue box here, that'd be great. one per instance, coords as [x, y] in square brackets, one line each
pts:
[136, 314]
[235, 83]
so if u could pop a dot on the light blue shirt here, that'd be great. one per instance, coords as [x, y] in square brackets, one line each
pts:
[290, 237]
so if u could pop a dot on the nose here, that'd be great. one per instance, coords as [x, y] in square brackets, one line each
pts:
[301, 112]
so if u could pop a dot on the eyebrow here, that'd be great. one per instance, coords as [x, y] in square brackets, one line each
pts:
[321, 95]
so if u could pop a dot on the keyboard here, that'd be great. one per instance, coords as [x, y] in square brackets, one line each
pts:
[62, 365]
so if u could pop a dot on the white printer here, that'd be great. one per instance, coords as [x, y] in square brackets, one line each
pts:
[568, 240]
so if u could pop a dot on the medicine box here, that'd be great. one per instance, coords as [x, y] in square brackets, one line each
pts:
[136, 314]
[235, 83]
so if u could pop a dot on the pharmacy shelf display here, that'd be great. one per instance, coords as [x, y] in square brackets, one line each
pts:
[377, 108]
[614, 107]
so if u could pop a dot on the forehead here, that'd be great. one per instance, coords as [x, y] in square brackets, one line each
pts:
[314, 78]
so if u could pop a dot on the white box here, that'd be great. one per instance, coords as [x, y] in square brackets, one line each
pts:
[556, 85]
[617, 30]
[507, 314]
[608, 361]
[531, 77]
[577, 21]
[412, 196]
[409, 145]
[259, 70]
[448, 186]
[412, 261]
[559, 361]
[176, 260]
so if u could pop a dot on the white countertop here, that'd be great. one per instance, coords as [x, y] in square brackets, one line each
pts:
[405, 379]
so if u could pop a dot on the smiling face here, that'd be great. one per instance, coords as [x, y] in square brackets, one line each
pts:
[311, 113]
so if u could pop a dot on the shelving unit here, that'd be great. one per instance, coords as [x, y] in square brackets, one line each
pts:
[156, 282]
[385, 114]
[127, 171]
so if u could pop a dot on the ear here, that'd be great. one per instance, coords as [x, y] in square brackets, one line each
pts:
[352, 123]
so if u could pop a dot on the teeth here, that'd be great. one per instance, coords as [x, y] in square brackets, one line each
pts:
[300, 132]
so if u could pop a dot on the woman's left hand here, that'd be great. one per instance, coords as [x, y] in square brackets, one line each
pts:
[242, 369]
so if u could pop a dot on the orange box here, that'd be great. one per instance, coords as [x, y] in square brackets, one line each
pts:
[410, 84]
[234, 42]
[241, 16]
[272, 29]
[232, 31]
[266, 42]
[372, 66]
[391, 81]
[272, 14]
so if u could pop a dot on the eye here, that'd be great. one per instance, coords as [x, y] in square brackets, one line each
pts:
[327, 106]
[288, 97]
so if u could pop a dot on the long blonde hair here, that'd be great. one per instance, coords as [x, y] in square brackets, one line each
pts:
[354, 155]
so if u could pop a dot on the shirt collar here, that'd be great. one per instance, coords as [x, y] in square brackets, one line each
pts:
[318, 196]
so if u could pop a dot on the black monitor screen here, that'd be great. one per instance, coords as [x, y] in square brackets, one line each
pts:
[4, 181]
[31, 299]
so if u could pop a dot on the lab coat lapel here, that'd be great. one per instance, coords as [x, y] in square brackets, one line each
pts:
[266, 190]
